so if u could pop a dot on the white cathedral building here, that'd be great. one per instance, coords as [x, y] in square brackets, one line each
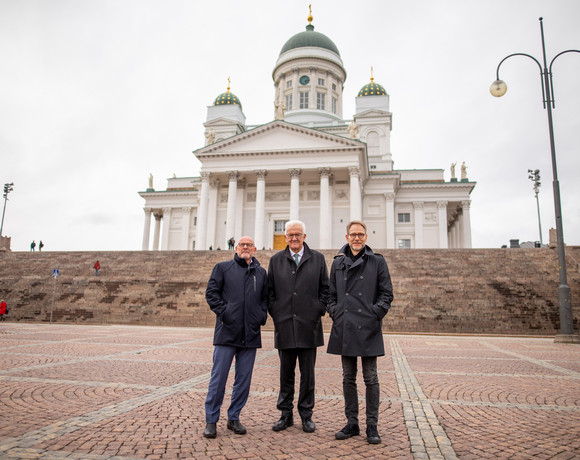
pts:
[309, 163]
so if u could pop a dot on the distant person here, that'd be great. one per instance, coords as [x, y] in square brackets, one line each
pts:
[32, 245]
[40, 246]
[97, 267]
[3, 309]
[237, 292]
[298, 292]
[359, 297]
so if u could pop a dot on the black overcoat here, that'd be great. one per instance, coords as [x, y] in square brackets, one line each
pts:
[297, 298]
[359, 297]
[238, 294]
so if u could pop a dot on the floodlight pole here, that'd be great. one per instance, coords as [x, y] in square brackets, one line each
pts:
[498, 89]
[534, 175]
[7, 189]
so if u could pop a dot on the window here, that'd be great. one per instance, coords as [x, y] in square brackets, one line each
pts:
[321, 81]
[303, 100]
[289, 102]
[404, 217]
[334, 87]
[289, 84]
[279, 226]
[320, 98]
[333, 105]
[404, 244]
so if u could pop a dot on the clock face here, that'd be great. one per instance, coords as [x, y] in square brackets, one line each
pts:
[304, 79]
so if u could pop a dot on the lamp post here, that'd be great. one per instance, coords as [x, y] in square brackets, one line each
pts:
[498, 88]
[535, 178]
[7, 189]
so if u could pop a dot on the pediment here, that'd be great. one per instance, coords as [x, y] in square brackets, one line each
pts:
[372, 113]
[278, 137]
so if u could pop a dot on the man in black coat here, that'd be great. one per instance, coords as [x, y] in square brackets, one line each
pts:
[298, 290]
[360, 295]
[237, 292]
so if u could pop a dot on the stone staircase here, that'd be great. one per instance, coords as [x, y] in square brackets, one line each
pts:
[475, 291]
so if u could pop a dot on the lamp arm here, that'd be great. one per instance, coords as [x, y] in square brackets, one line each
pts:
[535, 60]
[550, 72]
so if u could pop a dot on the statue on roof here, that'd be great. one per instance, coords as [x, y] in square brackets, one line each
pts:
[209, 136]
[279, 110]
[353, 130]
[463, 171]
[453, 170]
[150, 180]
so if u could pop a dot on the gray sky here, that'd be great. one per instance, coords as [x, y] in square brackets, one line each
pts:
[95, 95]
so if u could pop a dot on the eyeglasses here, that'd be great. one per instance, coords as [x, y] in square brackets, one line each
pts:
[246, 245]
[294, 235]
[360, 236]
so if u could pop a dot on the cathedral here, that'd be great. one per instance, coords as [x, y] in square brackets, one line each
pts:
[309, 163]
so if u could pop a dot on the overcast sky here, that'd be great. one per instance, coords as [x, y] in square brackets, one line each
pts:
[96, 94]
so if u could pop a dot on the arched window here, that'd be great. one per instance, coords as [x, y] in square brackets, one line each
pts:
[373, 146]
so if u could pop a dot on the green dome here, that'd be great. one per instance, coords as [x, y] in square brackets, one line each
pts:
[227, 98]
[309, 38]
[372, 89]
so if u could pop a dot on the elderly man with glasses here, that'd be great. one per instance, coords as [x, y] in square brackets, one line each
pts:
[360, 295]
[298, 290]
[237, 292]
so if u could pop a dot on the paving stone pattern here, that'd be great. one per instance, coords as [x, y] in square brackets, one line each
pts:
[138, 392]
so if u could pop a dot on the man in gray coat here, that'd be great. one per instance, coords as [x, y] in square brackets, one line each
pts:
[360, 295]
[297, 296]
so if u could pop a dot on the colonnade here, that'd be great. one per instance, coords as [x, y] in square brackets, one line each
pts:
[207, 206]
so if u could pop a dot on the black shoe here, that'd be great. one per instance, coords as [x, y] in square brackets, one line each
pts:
[236, 427]
[209, 431]
[348, 432]
[308, 425]
[284, 422]
[373, 435]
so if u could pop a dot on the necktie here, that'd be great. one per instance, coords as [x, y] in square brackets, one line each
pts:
[297, 259]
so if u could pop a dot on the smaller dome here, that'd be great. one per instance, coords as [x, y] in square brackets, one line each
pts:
[227, 98]
[372, 89]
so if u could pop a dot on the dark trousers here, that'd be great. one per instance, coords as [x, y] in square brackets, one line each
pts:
[373, 392]
[306, 360]
[222, 361]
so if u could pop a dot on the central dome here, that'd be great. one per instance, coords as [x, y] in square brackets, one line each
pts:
[309, 38]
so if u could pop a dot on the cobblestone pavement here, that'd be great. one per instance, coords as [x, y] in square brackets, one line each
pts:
[131, 392]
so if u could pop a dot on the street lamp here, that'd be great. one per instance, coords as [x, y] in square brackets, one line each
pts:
[7, 189]
[535, 177]
[498, 88]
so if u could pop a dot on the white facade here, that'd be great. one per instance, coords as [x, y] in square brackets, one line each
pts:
[308, 164]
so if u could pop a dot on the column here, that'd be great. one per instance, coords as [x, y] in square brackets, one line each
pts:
[390, 217]
[418, 207]
[355, 195]
[185, 229]
[260, 208]
[146, 229]
[295, 194]
[214, 186]
[442, 221]
[201, 229]
[465, 205]
[166, 225]
[240, 209]
[231, 212]
[325, 217]
[157, 230]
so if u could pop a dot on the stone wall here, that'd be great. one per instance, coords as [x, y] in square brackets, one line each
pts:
[481, 291]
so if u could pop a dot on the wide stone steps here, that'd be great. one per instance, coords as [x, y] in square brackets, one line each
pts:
[487, 291]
